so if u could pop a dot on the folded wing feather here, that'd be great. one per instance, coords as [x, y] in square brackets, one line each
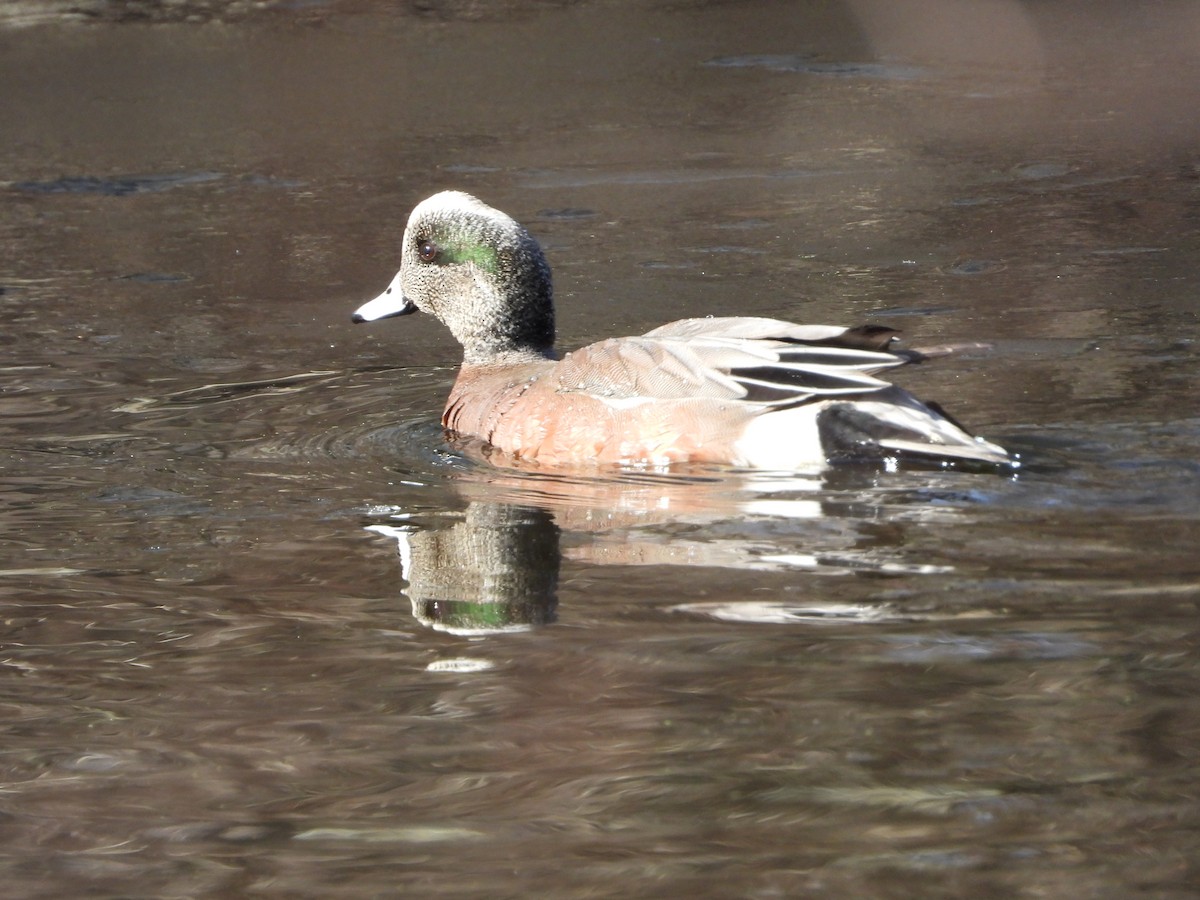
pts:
[761, 361]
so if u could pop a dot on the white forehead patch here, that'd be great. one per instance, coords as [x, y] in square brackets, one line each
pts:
[449, 204]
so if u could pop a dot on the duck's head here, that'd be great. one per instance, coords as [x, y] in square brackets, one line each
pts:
[479, 272]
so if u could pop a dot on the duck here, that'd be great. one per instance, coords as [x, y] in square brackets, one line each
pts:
[741, 391]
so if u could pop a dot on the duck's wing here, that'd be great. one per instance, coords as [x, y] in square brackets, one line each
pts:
[758, 361]
[860, 337]
[746, 327]
[864, 337]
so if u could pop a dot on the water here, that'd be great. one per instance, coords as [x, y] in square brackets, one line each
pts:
[220, 678]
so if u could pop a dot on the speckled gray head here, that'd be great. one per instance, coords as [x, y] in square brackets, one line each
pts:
[479, 272]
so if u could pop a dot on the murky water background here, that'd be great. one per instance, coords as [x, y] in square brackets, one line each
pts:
[219, 677]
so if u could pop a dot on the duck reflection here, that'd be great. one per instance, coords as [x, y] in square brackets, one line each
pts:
[494, 566]
[493, 570]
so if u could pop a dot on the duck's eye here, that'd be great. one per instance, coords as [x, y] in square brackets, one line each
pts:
[428, 251]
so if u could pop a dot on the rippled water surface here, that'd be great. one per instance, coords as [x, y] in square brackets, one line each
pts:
[265, 633]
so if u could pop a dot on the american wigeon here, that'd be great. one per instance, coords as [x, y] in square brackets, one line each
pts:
[752, 392]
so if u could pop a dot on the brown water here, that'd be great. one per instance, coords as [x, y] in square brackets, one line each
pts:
[216, 680]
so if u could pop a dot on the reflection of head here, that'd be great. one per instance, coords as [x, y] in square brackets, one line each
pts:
[495, 570]
[467, 617]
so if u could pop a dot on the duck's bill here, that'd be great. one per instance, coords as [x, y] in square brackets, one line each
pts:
[391, 302]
